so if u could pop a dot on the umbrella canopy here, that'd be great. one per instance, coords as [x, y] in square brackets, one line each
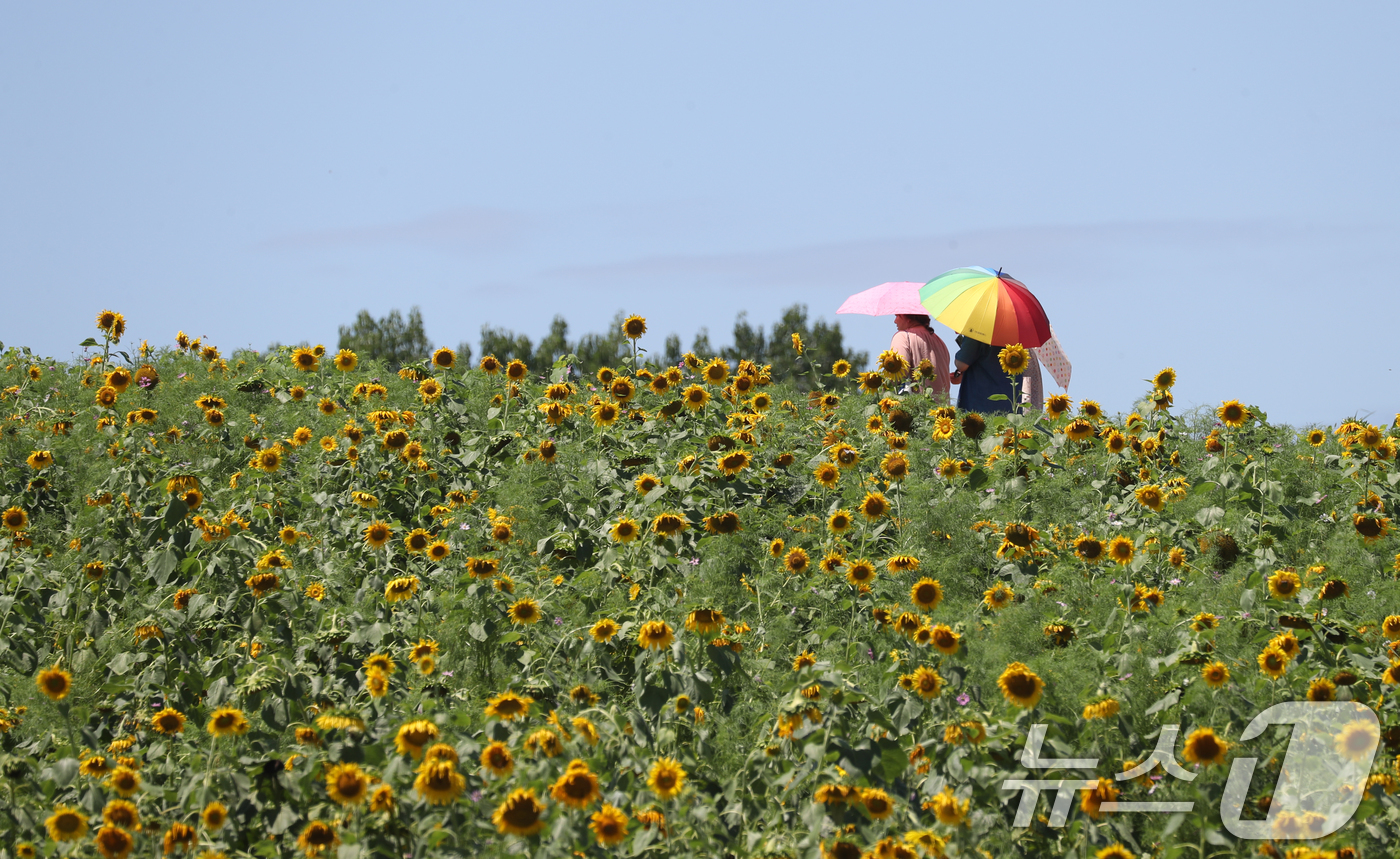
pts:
[887, 299]
[986, 305]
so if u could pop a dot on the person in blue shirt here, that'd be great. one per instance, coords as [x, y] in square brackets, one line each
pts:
[979, 376]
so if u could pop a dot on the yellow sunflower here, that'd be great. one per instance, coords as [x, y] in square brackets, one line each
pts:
[1204, 747]
[1079, 429]
[1322, 689]
[895, 465]
[603, 630]
[124, 781]
[734, 462]
[609, 825]
[874, 506]
[945, 639]
[113, 842]
[227, 722]
[519, 814]
[926, 593]
[1232, 414]
[716, 372]
[998, 597]
[318, 837]
[1216, 674]
[893, 365]
[524, 611]
[860, 572]
[667, 778]
[305, 360]
[1057, 404]
[723, 523]
[14, 519]
[439, 782]
[55, 683]
[927, 682]
[347, 784]
[1357, 741]
[669, 524]
[1371, 528]
[655, 635]
[1284, 584]
[796, 561]
[577, 787]
[168, 721]
[1120, 549]
[695, 398]
[509, 706]
[377, 534]
[413, 737]
[625, 530]
[1014, 359]
[1151, 497]
[1273, 662]
[66, 824]
[1020, 685]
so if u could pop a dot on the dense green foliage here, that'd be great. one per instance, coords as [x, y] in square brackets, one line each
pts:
[228, 505]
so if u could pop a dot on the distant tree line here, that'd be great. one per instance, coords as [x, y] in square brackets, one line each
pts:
[396, 340]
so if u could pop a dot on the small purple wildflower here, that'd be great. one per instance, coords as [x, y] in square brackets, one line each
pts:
[964, 699]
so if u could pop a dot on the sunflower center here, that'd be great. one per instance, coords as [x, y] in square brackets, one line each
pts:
[522, 814]
[1020, 685]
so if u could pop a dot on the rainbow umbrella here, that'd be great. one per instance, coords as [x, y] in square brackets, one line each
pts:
[986, 305]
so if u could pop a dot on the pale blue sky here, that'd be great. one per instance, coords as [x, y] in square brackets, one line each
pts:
[1193, 185]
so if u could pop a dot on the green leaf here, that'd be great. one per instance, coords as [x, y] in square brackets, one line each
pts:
[1168, 700]
[893, 759]
[164, 562]
[1210, 516]
[176, 511]
[86, 343]
[285, 819]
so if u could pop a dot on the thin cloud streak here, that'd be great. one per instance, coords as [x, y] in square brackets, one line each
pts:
[914, 258]
[462, 230]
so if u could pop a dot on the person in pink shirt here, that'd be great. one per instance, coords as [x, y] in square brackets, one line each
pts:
[916, 341]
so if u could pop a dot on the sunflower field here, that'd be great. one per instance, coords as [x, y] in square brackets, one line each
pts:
[294, 604]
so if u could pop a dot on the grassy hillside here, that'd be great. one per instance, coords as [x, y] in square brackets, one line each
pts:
[295, 604]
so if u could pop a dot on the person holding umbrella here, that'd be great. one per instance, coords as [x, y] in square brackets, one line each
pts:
[917, 342]
[914, 340]
[989, 310]
[979, 377]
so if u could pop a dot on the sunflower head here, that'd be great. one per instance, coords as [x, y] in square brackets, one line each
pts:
[1014, 359]
[1204, 747]
[973, 425]
[1232, 414]
[634, 327]
[655, 635]
[1020, 685]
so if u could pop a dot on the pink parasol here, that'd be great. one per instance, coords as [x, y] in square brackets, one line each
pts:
[887, 299]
